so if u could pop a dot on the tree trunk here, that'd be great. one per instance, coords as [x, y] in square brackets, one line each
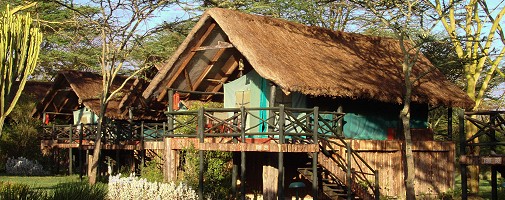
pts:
[473, 170]
[93, 176]
[409, 172]
[470, 129]
[409, 158]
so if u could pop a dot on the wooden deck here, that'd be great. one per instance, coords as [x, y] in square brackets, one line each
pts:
[210, 144]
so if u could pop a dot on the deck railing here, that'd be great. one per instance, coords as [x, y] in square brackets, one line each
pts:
[279, 124]
[490, 131]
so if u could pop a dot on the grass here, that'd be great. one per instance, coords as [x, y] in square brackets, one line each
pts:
[484, 185]
[48, 183]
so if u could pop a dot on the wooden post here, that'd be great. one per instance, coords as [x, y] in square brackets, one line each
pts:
[280, 165]
[271, 104]
[200, 152]
[80, 152]
[70, 141]
[349, 165]
[130, 120]
[90, 158]
[142, 150]
[169, 160]
[340, 122]
[315, 184]
[234, 175]
[494, 183]
[462, 143]
[242, 153]
[449, 123]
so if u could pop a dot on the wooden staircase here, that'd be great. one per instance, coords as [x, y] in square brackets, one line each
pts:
[333, 177]
[331, 187]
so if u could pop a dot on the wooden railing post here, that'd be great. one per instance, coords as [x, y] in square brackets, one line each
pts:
[315, 134]
[242, 153]
[462, 144]
[70, 141]
[201, 129]
[280, 182]
[81, 135]
[349, 173]
[170, 109]
[142, 163]
[55, 135]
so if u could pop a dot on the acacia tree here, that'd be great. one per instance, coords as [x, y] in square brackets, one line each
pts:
[69, 41]
[477, 37]
[405, 20]
[19, 50]
[122, 27]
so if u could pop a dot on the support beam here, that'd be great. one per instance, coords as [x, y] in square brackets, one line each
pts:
[188, 80]
[207, 69]
[280, 166]
[200, 152]
[234, 175]
[187, 60]
[219, 45]
[315, 174]
[462, 140]
[70, 154]
[494, 183]
[270, 177]
[229, 67]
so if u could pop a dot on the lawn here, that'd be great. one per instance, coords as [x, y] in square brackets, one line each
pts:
[39, 182]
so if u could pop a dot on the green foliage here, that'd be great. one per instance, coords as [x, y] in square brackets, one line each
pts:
[80, 190]
[217, 172]
[152, 172]
[69, 40]
[194, 105]
[16, 191]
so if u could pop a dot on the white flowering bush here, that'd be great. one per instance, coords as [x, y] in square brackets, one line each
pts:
[139, 188]
[23, 166]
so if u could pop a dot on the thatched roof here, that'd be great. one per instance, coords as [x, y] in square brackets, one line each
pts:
[298, 58]
[71, 89]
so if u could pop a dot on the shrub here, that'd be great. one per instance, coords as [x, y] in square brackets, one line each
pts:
[135, 188]
[217, 172]
[15, 191]
[152, 172]
[23, 166]
[80, 190]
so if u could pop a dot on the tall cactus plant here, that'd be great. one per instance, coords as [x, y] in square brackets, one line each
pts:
[19, 50]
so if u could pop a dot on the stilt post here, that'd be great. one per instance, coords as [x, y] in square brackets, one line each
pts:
[242, 153]
[70, 155]
[200, 152]
[349, 174]
[462, 145]
[315, 135]
[80, 151]
[280, 165]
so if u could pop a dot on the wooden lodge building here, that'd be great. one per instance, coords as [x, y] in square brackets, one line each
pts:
[301, 104]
